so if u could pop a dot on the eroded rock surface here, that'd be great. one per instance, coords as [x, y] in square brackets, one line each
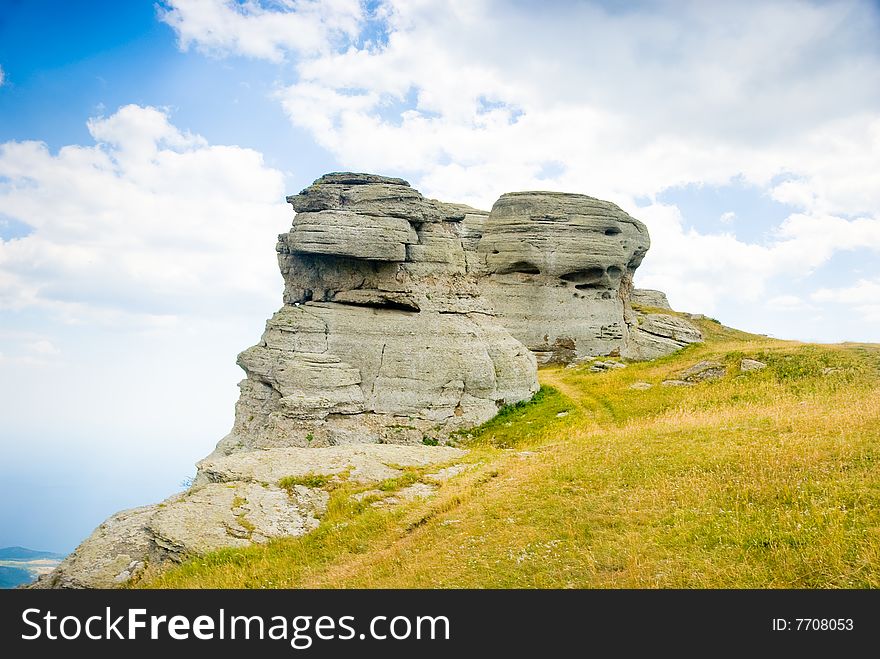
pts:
[703, 371]
[654, 335]
[384, 335]
[361, 464]
[746, 365]
[647, 297]
[558, 270]
[116, 552]
[234, 514]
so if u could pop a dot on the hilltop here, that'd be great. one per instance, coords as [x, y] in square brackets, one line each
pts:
[405, 321]
[756, 478]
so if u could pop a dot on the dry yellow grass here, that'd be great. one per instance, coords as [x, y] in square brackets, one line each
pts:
[763, 479]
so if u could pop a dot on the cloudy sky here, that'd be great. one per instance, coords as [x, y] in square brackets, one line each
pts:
[146, 149]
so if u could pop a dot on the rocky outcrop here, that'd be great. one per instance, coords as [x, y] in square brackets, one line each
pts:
[654, 335]
[404, 320]
[117, 551]
[746, 365]
[359, 464]
[646, 297]
[558, 270]
[703, 371]
[384, 335]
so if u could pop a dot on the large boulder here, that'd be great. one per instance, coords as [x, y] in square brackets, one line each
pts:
[344, 233]
[361, 463]
[115, 553]
[558, 270]
[234, 514]
[647, 297]
[654, 335]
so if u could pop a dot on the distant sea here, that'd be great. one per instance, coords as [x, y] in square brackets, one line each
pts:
[19, 565]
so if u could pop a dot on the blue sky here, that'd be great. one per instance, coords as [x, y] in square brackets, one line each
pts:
[146, 149]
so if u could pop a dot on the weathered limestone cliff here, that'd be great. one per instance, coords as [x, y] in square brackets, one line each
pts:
[383, 336]
[558, 270]
[404, 320]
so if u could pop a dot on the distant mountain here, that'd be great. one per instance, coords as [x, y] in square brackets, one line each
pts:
[24, 554]
[10, 577]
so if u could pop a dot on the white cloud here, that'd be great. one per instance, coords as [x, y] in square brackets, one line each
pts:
[632, 102]
[149, 264]
[863, 296]
[704, 271]
[864, 291]
[788, 303]
[2, 76]
[793, 192]
[27, 348]
[251, 29]
[727, 217]
[35, 354]
[43, 347]
[147, 224]
[469, 99]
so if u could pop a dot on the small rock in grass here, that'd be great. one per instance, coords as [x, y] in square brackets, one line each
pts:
[704, 370]
[447, 473]
[751, 365]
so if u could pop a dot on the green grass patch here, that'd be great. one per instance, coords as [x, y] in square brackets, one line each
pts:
[409, 477]
[307, 480]
[522, 423]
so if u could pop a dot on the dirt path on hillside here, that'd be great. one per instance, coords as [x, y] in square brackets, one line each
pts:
[553, 377]
[592, 406]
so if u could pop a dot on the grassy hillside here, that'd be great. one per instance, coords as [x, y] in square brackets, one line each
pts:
[765, 479]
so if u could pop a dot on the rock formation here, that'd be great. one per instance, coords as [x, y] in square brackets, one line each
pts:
[558, 270]
[654, 335]
[646, 297]
[383, 336]
[404, 320]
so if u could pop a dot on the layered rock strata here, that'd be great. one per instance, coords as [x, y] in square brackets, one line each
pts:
[558, 270]
[653, 335]
[383, 336]
[647, 297]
